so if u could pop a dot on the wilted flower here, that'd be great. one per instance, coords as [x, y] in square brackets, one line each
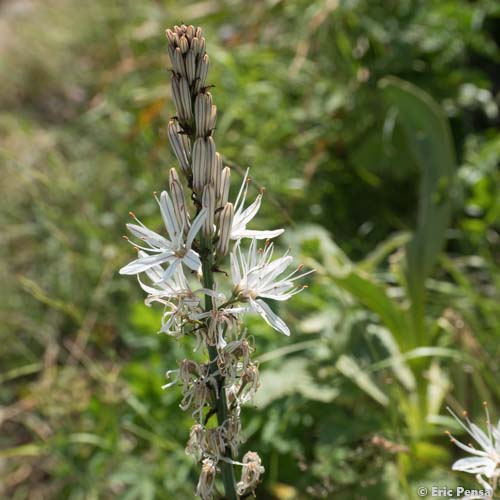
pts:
[250, 474]
[207, 479]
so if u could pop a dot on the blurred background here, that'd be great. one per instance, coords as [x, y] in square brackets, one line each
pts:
[373, 126]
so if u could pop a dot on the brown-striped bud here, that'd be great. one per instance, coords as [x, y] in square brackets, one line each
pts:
[225, 183]
[208, 202]
[217, 177]
[185, 96]
[199, 156]
[202, 113]
[178, 199]
[178, 62]
[190, 65]
[211, 160]
[183, 44]
[201, 73]
[180, 144]
[182, 98]
[225, 224]
[170, 36]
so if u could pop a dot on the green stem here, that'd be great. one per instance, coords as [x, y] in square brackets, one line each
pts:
[220, 402]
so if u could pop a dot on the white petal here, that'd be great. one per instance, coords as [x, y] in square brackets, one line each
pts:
[192, 260]
[237, 233]
[141, 264]
[168, 216]
[149, 236]
[169, 272]
[475, 465]
[235, 269]
[481, 437]
[195, 227]
[250, 212]
[242, 190]
[269, 316]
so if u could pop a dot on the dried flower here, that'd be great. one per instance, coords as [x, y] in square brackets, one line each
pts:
[251, 473]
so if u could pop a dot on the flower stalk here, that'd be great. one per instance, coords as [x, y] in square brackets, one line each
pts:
[185, 272]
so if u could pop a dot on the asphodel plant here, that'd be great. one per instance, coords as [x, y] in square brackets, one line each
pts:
[207, 270]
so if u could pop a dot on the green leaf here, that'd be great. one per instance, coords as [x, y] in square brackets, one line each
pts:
[429, 142]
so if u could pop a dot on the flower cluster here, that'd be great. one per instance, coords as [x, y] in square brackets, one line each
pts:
[485, 460]
[178, 269]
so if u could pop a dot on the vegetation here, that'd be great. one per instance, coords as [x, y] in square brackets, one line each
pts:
[373, 126]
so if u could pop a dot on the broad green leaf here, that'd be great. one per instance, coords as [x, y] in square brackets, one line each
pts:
[429, 141]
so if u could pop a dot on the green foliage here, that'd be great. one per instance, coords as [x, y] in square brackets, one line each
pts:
[373, 126]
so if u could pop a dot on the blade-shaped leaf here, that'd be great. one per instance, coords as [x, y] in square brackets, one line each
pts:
[429, 141]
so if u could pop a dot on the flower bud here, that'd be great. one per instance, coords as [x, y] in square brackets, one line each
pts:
[183, 44]
[208, 202]
[211, 160]
[170, 36]
[185, 95]
[190, 64]
[178, 199]
[201, 73]
[225, 183]
[190, 32]
[182, 98]
[178, 62]
[217, 177]
[199, 164]
[202, 114]
[225, 224]
[180, 144]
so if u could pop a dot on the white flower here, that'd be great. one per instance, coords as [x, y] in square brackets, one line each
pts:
[173, 251]
[243, 216]
[255, 276]
[486, 458]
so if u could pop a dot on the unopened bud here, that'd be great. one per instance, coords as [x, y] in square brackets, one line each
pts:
[211, 160]
[180, 145]
[190, 32]
[178, 62]
[217, 177]
[182, 98]
[170, 36]
[208, 202]
[183, 44]
[199, 156]
[225, 224]
[202, 114]
[225, 183]
[178, 199]
[201, 72]
[190, 64]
